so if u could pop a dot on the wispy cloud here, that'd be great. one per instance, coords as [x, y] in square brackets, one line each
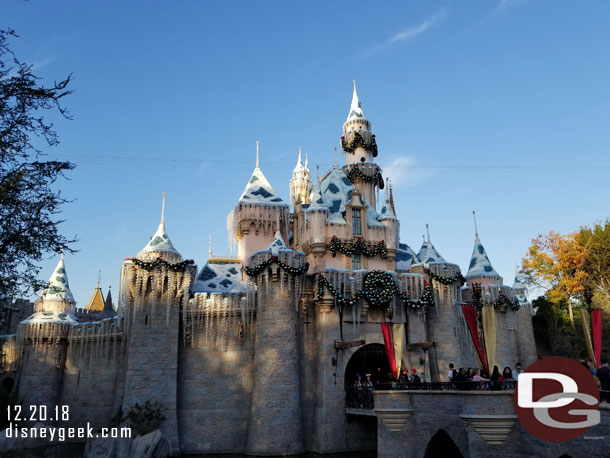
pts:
[505, 5]
[403, 171]
[409, 33]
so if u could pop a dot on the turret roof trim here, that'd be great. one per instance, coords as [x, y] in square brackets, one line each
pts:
[355, 111]
[160, 241]
[58, 288]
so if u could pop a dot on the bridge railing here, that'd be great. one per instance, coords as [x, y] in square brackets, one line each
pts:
[362, 397]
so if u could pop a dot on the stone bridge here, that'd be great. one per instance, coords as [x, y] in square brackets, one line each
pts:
[470, 424]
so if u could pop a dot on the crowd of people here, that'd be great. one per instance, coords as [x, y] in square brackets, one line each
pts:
[467, 379]
[477, 379]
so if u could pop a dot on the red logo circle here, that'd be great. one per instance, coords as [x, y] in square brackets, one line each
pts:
[556, 399]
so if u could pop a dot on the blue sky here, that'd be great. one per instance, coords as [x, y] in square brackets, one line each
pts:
[501, 107]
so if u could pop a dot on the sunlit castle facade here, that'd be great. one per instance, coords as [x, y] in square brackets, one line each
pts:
[256, 353]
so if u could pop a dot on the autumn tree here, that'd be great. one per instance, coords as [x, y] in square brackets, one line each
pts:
[29, 201]
[555, 262]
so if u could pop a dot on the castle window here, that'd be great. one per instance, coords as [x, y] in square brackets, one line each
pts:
[356, 222]
[356, 262]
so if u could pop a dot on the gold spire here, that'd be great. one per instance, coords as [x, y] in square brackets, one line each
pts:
[476, 231]
[163, 210]
[392, 199]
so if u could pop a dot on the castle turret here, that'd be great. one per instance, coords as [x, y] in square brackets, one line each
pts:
[317, 214]
[480, 269]
[427, 253]
[259, 213]
[389, 220]
[275, 425]
[154, 285]
[300, 182]
[525, 330]
[56, 297]
[42, 342]
[360, 147]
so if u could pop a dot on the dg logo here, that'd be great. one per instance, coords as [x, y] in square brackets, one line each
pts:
[556, 399]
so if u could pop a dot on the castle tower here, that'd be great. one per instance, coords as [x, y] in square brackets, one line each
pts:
[56, 297]
[275, 425]
[42, 342]
[389, 220]
[480, 269]
[499, 350]
[359, 145]
[525, 330]
[317, 213]
[154, 285]
[300, 182]
[259, 213]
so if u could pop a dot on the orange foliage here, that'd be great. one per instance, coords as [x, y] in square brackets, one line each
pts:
[555, 262]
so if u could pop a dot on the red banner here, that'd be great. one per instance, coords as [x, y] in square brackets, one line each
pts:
[470, 314]
[386, 330]
[596, 324]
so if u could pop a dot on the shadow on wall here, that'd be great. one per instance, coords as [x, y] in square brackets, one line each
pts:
[442, 446]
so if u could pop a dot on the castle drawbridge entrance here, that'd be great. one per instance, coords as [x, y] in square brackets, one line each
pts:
[370, 359]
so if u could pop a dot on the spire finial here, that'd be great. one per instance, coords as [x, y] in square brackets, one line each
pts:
[210, 243]
[354, 85]
[423, 237]
[392, 197]
[257, 154]
[163, 210]
[306, 161]
[299, 154]
[474, 216]
[99, 278]
[428, 232]
[317, 173]
[335, 163]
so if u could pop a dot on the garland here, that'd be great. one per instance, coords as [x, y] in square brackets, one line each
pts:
[149, 265]
[253, 271]
[359, 246]
[358, 140]
[503, 300]
[378, 289]
[456, 278]
[356, 172]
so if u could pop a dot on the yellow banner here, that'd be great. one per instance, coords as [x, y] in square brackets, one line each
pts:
[489, 334]
[585, 328]
[400, 346]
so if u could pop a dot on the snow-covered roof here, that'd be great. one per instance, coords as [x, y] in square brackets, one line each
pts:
[300, 168]
[277, 243]
[355, 110]
[160, 243]
[317, 202]
[259, 191]
[386, 209]
[405, 257]
[428, 254]
[334, 189]
[58, 288]
[220, 276]
[51, 317]
[332, 193]
[480, 266]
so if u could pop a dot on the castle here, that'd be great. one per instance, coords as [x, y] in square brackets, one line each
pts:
[254, 353]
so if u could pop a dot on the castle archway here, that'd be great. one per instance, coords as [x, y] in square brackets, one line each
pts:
[441, 445]
[370, 359]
